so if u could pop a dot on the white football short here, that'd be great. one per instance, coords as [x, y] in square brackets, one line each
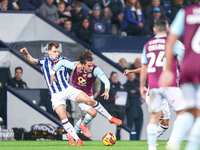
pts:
[191, 94]
[60, 98]
[172, 94]
[164, 107]
[84, 107]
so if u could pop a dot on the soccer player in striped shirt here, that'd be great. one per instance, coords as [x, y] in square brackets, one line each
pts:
[61, 90]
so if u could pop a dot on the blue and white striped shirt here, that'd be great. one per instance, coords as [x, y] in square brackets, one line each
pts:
[61, 75]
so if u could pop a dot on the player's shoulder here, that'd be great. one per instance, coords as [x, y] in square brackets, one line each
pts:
[65, 58]
[41, 60]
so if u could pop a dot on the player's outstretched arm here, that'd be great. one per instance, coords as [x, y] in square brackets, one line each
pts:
[28, 57]
[127, 71]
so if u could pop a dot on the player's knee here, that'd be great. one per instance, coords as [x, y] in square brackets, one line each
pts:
[92, 112]
[91, 102]
[165, 122]
[62, 116]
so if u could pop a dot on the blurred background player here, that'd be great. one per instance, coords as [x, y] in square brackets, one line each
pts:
[186, 26]
[163, 124]
[152, 65]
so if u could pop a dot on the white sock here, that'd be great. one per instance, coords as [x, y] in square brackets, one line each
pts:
[194, 137]
[161, 130]
[102, 110]
[69, 128]
[151, 135]
[181, 127]
[77, 127]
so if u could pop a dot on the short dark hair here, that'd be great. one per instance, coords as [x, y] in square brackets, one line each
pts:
[78, 3]
[85, 56]
[51, 44]
[18, 68]
[161, 25]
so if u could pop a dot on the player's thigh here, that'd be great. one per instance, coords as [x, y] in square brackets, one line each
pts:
[85, 108]
[72, 93]
[155, 100]
[174, 97]
[189, 94]
[165, 109]
[58, 99]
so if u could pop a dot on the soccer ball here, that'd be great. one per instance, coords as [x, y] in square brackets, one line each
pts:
[109, 139]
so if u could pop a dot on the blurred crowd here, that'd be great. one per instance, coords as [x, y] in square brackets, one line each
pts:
[82, 18]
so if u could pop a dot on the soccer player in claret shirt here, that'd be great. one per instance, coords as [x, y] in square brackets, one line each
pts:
[152, 65]
[186, 25]
[84, 80]
[61, 90]
[163, 124]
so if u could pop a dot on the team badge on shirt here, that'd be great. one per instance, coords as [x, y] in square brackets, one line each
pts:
[89, 75]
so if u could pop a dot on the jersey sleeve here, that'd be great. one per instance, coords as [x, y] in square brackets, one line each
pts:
[100, 74]
[65, 63]
[177, 25]
[178, 49]
[40, 61]
[144, 59]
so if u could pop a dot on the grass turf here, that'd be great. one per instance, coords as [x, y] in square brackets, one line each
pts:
[88, 145]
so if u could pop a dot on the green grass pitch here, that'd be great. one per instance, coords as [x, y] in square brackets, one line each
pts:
[88, 145]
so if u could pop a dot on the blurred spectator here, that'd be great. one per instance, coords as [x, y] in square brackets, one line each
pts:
[17, 81]
[91, 3]
[49, 10]
[85, 30]
[134, 112]
[136, 65]
[101, 24]
[117, 111]
[144, 3]
[3, 5]
[17, 5]
[133, 20]
[122, 62]
[68, 4]
[77, 14]
[149, 24]
[175, 6]
[68, 27]
[2, 85]
[33, 4]
[63, 15]
[114, 8]
[150, 7]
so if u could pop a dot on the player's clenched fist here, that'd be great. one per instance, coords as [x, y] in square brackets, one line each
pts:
[24, 50]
